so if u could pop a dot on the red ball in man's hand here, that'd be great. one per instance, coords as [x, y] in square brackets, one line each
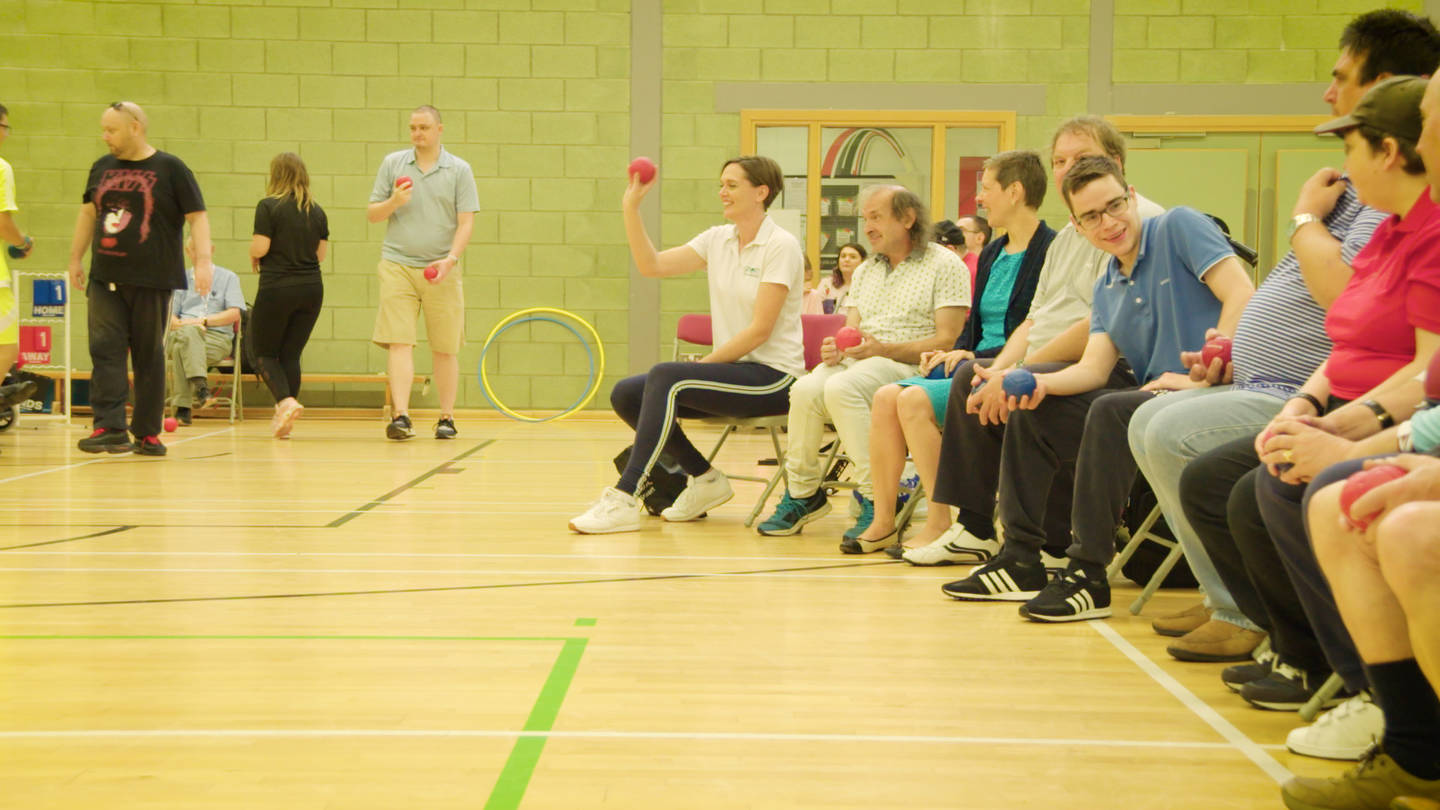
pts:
[404, 181]
[431, 272]
[847, 338]
[644, 167]
[1362, 482]
[1216, 347]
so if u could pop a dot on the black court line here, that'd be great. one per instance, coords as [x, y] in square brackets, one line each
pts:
[349, 516]
[115, 530]
[245, 597]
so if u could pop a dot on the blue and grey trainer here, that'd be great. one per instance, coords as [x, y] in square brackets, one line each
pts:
[867, 516]
[793, 513]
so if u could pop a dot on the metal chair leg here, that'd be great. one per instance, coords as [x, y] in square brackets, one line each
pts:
[1317, 701]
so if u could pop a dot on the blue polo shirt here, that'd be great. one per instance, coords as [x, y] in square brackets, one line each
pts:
[1163, 307]
[225, 293]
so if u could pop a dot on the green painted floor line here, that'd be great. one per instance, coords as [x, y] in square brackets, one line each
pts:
[514, 778]
[52, 637]
[520, 766]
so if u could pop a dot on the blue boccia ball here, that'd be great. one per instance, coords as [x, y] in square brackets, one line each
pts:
[15, 252]
[1019, 383]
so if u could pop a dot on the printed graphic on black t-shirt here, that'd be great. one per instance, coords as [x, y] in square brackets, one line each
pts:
[140, 208]
[125, 203]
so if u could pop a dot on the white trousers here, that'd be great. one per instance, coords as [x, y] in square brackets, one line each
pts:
[840, 395]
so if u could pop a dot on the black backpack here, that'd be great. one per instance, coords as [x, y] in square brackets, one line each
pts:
[1148, 557]
[664, 484]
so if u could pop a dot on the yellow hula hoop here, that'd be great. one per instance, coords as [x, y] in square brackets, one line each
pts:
[595, 383]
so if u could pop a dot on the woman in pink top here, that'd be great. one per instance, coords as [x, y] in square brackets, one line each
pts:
[1385, 325]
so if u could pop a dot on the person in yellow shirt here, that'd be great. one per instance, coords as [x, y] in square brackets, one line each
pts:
[19, 247]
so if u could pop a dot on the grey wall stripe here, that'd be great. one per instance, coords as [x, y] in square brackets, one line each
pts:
[646, 50]
[1024, 99]
[1102, 49]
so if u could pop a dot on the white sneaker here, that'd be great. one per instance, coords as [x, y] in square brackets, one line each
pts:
[957, 546]
[614, 512]
[700, 496]
[1345, 732]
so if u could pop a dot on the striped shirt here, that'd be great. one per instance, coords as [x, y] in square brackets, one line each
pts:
[1281, 339]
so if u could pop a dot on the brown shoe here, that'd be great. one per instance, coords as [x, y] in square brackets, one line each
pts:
[1178, 624]
[1378, 781]
[1216, 641]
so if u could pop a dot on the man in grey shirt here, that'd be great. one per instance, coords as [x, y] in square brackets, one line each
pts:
[201, 334]
[428, 198]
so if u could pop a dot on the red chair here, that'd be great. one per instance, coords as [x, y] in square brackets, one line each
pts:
[695, 329]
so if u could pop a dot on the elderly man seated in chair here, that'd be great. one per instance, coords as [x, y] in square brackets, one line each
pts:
[201, 334]
[909, 297]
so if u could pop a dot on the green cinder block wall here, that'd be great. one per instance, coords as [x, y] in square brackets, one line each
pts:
[536, 96]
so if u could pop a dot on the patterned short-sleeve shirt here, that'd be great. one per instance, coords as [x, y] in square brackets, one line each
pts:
[898, 304]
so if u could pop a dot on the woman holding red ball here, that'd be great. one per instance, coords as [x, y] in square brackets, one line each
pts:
[756, 281]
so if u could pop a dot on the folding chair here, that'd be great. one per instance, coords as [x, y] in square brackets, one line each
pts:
[1141, 535]
[232, 366]
[695, 329]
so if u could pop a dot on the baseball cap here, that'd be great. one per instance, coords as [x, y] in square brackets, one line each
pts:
[1391, 106]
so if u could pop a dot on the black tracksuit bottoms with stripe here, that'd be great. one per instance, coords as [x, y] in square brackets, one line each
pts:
[651, 403]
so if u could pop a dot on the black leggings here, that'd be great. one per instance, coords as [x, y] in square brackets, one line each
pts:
[651, 402]
[280, 325]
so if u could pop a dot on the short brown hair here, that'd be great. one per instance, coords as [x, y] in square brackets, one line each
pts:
[1097, 129]
[427, 109]
[1020, 166]
[761, 171]
[1087, 170]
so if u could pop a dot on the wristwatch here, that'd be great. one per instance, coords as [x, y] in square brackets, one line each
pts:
[1299, 221]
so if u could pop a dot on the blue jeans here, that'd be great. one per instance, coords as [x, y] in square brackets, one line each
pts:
[1170, 431]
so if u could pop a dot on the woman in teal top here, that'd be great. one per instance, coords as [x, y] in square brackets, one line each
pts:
[908, 414]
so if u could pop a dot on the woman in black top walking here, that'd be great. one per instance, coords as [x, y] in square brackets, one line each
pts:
[290, 239]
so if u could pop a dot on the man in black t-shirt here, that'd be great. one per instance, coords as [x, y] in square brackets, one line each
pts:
[136, 203]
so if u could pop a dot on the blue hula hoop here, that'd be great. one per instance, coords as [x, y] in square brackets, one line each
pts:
[589, 354]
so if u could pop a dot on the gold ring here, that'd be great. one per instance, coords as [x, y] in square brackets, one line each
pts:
[1289, 456]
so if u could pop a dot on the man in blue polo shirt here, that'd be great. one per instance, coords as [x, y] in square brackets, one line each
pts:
[1170, 280]
[428, 199]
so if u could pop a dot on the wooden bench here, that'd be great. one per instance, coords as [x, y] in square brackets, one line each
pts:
[219, 378]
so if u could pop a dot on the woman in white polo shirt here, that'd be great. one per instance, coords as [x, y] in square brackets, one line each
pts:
[756, 274]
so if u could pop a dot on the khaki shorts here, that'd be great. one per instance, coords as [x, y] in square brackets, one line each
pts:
[404, 292]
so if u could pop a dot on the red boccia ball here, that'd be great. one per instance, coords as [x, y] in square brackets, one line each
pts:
[848, 337]
[404, 181]
[644, 167]
[431, 272]
[1362, 482]
[1216, 347]
[171, 423]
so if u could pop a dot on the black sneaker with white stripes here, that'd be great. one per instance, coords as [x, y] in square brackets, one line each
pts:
[1003, 579]
[1071, 597]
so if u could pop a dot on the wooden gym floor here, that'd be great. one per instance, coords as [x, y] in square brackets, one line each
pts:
[339, 621]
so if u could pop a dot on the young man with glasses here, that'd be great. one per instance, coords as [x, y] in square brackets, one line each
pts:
[1169, 279]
